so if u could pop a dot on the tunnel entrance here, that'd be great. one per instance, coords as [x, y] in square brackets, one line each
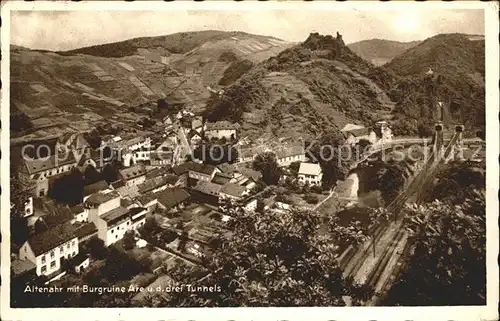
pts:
[439, 127]
[459, 129]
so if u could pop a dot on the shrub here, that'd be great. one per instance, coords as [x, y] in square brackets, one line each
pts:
[316, 189]
[311, 198]
[128, 240]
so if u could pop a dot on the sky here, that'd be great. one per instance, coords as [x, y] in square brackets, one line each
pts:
[65, 30]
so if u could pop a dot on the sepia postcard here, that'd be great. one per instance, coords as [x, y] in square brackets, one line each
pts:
[282, 160]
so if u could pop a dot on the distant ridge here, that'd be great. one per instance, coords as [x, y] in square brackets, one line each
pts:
[380, 51]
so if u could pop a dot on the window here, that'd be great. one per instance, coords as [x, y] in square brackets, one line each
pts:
[73, 243]
[43, 259]
[74, 253]
[128, 223]
[112, 231]
[61, 249]
[44, 269]
[52, 254]
[53, 264]
[116, 236]
[67, 246]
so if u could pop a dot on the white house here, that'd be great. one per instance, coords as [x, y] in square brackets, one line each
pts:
[384, 132]
[41, 169]
[286, 155]
[202, 172]
[111, 218]
[221, 129]
[232, 192]
[80, 262]
[133, 175]
[354, 133]
[46, 249]
[194, 138]
[28, 207]
[310, 173]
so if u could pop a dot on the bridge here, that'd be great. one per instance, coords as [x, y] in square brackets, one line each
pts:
[379, 261]
[407, 142]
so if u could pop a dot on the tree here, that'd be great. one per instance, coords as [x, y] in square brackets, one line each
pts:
[168, 236]
[20, 190]
[68, 189]
[120, 266]
[149, 229]
[363, 144]
[162, 104]
[448, 264]
[93, 138]
[96, 248]
[425, 130]
[270, 261]
[266, 163]
[110, 172]
[183, 239]
[19, 121]
[91, 175]
[294, 168]
[128, 240]
[311, 198]
[332, 155]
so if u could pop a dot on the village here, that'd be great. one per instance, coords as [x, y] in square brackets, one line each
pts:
[164, 206]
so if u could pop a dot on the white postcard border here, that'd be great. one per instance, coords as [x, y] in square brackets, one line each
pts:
[488, 312]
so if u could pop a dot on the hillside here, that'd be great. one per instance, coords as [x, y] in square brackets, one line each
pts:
[380, 51]
[271, 87]
[80, 88]
[457, 79]
[312, 88]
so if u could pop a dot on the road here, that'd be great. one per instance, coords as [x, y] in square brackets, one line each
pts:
[185, 148]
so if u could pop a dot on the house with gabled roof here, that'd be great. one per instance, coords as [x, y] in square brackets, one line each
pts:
[354, 133]
[39, 170]
[133, 175]
[232, 191]
[172, 199]
[111, 218]
[202, 172]
[221, 129]
[287, 154]
[310, 173]
[46, 249]
[100, 186]
[194, 137]
[157, 184]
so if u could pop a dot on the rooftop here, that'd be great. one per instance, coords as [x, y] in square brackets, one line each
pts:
[255, 175]
[146, 198]
[201, 168]
[156, 182]
[351, 127]
[309, 169]
[101, 198]
[208, 188]
[290, 150]
[222, 178]
[115, 215]
[20, 267]
[133, 172]
[222, 125]
[233, 189]
[94, 188]
[85, 229]
[356, 132]
[51, 238]
[172, 197]
[34, 166]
